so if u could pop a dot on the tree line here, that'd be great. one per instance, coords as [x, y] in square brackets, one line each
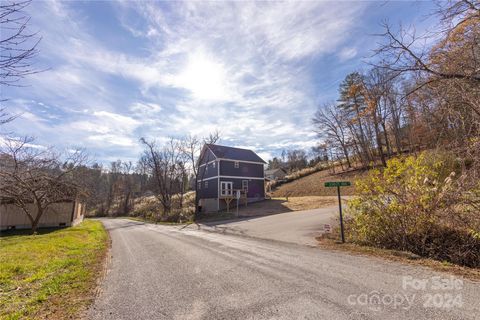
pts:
[411, 97]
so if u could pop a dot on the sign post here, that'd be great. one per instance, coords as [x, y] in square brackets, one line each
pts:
[237, 195]
[339, 184]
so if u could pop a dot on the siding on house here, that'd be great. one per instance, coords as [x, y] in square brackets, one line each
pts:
[245, 169]
[210, 191]
[208, 171]
[256, 189]
[209, 156]
[250, 168]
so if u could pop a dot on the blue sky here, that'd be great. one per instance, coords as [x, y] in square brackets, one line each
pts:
[256, 72]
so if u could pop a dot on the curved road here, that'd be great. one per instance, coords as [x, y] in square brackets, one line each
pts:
[164, 272]
[299, 227]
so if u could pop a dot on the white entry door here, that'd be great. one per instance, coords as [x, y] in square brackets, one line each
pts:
[226, 188]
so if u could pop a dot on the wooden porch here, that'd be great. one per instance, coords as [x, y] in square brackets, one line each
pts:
[229, 195]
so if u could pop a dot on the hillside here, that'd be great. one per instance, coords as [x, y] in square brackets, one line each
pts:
[313, 184]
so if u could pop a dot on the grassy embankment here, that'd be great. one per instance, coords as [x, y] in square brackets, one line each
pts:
[312, 185]
[52, 274]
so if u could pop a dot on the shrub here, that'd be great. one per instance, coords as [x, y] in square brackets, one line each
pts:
[420, 204]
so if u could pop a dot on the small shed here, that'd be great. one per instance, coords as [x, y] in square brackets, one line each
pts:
[275, 174]
[60, 214]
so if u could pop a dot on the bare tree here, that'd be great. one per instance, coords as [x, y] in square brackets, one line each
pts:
[127, 169]
[36, 176]
[164, 163]
[192, 148]
[377, 90]
[18, 45]
[406, 52]
[330, 123]
[296, 159]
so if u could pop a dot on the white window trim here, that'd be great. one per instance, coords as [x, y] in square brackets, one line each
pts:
[245, 188]
[243, 178]
[210, 178]
[222, 183]
[231, 160]
[242, 161]
[203, 164]
[234, 177]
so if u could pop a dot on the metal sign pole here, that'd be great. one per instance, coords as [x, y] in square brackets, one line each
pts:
[341, 216]
[339, 184]
[238, 199]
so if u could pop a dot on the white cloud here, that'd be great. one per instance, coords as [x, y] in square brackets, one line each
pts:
[347, 53]
[144, 108]
[239, 67]
[108, 128]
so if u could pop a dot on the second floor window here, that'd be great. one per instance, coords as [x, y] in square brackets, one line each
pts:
[206, 184]
[237, 164]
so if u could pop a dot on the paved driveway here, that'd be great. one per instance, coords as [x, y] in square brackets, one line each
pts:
[299, 227]
[163, 272]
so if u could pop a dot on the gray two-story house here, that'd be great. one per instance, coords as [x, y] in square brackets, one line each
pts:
[225, 172]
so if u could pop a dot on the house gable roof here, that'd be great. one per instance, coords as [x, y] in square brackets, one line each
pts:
[232, 153]
[273, 171]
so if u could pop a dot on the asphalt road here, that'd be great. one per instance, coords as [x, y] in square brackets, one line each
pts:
[296, 226]
[163, 272]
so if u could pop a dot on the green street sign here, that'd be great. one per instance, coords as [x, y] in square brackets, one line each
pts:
[337, 184]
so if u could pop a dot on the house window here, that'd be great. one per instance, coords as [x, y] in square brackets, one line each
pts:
[226, 188]
[245, 185]
[206, 184]
[237, 164]
[199, 185]
[213, 164]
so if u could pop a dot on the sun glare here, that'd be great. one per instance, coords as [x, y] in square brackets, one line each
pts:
[204, 77]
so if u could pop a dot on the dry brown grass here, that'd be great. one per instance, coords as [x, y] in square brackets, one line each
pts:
[313, 185]
[150, 208]
[400, 256]
[307, 202]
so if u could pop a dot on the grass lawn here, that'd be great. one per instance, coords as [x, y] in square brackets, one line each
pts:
[51, 274]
